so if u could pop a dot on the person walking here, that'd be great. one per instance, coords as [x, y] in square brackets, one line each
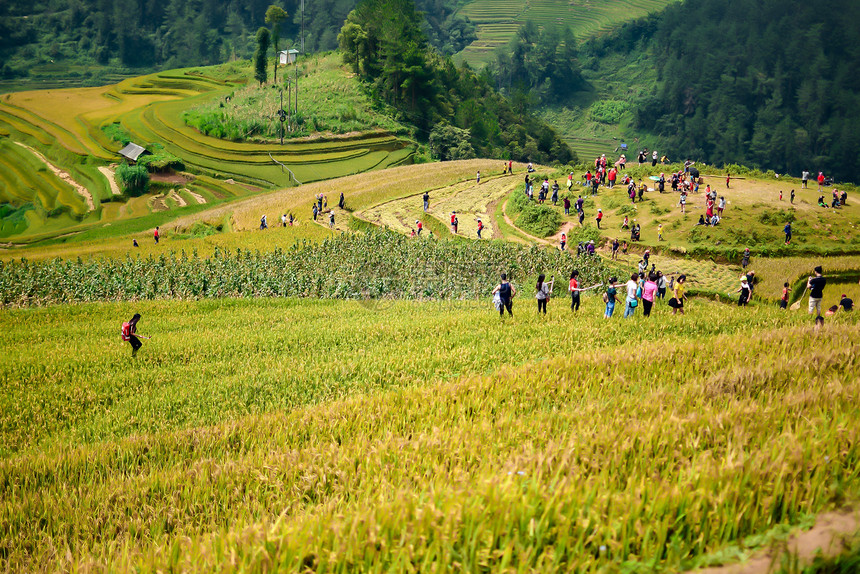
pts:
[480, 227]
[129, 333]
[804, 179]
[728, 179]
[555, 189]
[615, 246]
[745, 258]
[420, 226]
[567, 206]
[599, 217]
[426, 200]
[331, 219]
[787, 231]
[478, 178]
[581, 217]
[543, 292]
[316, 211]
[654, 158]
[264, 224]
[783, 301]
[649, 293]
[792, 197]
[816, 285]
[506, 293]
[563, 240]
[660, 232]
[342, 201]
[661, 285]
[156, 235]
[610, 297]
[632, 302]
[677, 301]
[456, 224]
[574, 289]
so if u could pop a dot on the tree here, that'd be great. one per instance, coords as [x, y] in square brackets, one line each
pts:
[274, 16]
[260, 55]
[449, 143]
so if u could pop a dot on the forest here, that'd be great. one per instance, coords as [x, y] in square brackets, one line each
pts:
[176, 33]
[384, 43]
[770, 83]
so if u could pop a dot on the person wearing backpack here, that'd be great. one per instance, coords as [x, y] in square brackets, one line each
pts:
[506, 293]
[609, 298]
[129, 333]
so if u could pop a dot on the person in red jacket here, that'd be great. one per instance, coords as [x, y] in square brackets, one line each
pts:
[419, 226]
[599, 217]
[155, 235]
[820, 180]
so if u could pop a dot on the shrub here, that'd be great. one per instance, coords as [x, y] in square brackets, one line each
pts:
[134, 179]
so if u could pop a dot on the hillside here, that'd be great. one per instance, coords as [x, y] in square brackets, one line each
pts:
[782, 96]
[498, 21]
[74, 43]
[79, 132]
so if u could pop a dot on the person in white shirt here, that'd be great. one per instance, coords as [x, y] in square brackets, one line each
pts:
[632, 286]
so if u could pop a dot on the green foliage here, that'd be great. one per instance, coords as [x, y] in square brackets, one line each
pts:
[117, 133]
[788, 100]
[536, 219]
[133, 179]
[331, 103]
[366, 266]
[160, 160]
[260, 68]
[539, 66]
[390, 55]
[776, 217]
[449, 143]
[607, 111]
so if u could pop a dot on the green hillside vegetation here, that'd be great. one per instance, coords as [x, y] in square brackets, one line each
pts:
[498, 21]
[72, 43]
[330, 103]
[430, 92]
[782, 96]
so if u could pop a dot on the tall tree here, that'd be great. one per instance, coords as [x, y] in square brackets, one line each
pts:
[260, 55]
[274, 16]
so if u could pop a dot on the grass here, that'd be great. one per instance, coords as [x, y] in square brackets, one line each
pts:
[385, 455]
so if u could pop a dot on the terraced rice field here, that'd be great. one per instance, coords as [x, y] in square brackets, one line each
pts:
[498, 20]
[65, 126]
[470, 200]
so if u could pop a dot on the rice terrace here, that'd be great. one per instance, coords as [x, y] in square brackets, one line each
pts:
[288, 292]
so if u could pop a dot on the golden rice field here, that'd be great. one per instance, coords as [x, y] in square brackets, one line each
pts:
[254, 435]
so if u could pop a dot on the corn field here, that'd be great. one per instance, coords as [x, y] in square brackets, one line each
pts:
[378, 264]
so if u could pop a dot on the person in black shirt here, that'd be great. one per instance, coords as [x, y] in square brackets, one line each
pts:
[816, 291]
[506, 293]
[846, 303]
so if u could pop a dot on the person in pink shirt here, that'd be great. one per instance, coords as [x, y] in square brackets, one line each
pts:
[649, 290]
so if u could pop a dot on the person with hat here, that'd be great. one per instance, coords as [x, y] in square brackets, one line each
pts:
[599, 217]
[590, 247]
[744, 291]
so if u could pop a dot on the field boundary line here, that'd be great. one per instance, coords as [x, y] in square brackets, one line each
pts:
[283, 167]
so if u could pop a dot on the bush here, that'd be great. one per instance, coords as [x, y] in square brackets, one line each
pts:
[133, 179]
[539, 220]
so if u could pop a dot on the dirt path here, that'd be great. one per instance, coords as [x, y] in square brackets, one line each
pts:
[827, 537]
[197, 197]
[109, 175]
[82, 191]
[565, 228]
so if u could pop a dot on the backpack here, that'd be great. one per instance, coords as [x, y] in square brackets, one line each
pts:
[126, 331]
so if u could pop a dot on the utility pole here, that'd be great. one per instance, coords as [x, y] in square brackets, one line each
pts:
[296, 64]
[282, 115]
[303, 27]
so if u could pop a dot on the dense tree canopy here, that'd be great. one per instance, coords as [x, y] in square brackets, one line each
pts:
[766, 82]
[176, 33]
[383, 42]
